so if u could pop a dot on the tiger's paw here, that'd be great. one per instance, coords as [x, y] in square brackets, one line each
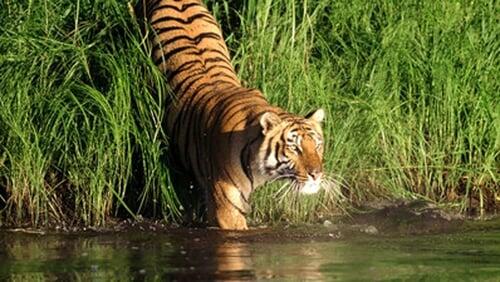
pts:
[232, 221]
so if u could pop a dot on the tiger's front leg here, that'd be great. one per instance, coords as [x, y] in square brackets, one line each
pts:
[227, 207]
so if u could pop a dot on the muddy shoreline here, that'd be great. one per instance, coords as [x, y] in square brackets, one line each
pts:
[377, 219]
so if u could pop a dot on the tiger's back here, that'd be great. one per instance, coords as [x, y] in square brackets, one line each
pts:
[189, 46]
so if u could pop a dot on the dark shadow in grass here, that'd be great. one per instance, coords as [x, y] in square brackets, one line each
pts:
[3, 195]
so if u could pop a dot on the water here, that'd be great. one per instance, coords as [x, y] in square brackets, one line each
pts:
[284, 254]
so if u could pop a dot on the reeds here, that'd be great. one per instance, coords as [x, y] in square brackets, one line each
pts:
[411, 90]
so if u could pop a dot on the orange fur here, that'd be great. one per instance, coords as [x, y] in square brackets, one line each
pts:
[224, 135]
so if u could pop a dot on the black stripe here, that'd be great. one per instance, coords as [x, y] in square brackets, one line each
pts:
[215, 60]
[280, 163]
[150, 7]
[224, 73]
[202, 159]
[183, 8]
[196, 39]
[222, 62]
[187, 153]
[268, 148]
[179, 85]
[246, 120]
[257, 115]
[283, 138]
[160, 30]
[222, 106]
[250, 106]
[203, 100]
[285, 116]
[194, 77]
[220, 94]
[230, 178]
[245, 159]
[188, 115]
[185, 113]
[277, 153]
[202, 15]
[187, 104]
[226, 66]
[165, 56]
[243, 196]
[185, 66]
[204, 50]
[306, 127]
[209, 60]
[202, 71]
[198, 52]
[235, 206]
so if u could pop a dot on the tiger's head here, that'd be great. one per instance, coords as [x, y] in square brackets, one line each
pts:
[292, 148]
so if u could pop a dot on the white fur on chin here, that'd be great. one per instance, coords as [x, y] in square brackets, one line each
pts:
[310, 187]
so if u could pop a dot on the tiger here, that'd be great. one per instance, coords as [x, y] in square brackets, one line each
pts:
[226, 138]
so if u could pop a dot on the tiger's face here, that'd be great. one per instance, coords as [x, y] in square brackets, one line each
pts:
[293, 149]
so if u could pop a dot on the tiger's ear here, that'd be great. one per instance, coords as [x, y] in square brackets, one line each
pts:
[317, 116]
[268, 121]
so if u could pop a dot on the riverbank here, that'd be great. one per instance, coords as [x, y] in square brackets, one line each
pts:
[379, 219]
[410, 90]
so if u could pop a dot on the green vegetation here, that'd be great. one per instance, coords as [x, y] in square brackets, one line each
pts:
[80, 115]
[411, 88]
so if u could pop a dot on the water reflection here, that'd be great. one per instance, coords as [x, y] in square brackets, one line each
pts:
[190, 255]
[122, 257]
[234, 260]
[33, 257]
[209, 259]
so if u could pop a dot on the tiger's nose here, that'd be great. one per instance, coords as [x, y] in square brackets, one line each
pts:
[315, 174]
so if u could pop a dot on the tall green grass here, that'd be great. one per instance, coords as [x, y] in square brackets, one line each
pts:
[80, 117]
[411, 90]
